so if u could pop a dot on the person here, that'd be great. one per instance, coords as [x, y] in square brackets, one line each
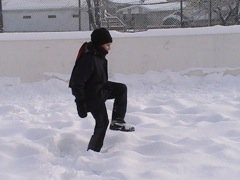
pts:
[90, 86]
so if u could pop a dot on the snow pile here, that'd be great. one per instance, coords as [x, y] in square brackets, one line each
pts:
[187, 127]
[213, 30]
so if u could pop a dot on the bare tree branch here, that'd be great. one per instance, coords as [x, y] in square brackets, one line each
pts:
[224, 18]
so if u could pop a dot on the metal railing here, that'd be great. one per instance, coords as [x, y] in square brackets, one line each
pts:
[112, 22]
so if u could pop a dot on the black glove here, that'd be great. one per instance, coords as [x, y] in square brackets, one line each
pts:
[81, 108]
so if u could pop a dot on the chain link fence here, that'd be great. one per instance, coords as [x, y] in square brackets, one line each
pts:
[210, 12]
[120, 15]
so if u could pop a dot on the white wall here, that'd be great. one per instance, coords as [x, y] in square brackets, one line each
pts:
[138, 55]
[29, 58]
[14, 22]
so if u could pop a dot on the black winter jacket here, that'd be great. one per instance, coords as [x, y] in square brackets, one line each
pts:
[89, 75]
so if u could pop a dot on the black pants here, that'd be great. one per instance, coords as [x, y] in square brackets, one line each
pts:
[118, 92]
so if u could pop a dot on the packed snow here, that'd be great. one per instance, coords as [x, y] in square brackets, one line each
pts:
[187, 128]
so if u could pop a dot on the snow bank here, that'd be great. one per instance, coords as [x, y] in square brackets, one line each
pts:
[30, 56]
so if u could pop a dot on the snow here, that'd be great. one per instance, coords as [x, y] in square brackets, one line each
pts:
[138, 1]
[115, 34]
[163, 7]
[42, 4]
[187, 127]
[152, 7]
[37, 4]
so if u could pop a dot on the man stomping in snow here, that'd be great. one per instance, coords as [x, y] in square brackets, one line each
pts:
[91, 88]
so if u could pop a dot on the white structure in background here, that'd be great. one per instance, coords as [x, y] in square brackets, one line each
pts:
[30, 15]
[138, 1]
[148, 15]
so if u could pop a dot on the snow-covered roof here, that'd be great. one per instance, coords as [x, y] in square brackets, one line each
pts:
[46, 4]
[137, 1]
[154, 7]
[37, 4]
[163, 7]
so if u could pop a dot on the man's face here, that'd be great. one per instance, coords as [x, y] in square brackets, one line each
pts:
[107, 46]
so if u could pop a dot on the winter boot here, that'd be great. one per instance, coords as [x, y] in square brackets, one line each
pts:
[121, 126]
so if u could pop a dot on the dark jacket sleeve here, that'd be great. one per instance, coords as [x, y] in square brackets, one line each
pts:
[82, 71]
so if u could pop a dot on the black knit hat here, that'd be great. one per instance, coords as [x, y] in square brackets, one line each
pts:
[100, 36]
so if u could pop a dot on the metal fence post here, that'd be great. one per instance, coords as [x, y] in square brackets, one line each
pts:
[1, 17]
[79, 14]
[181, 9]
[210, 13]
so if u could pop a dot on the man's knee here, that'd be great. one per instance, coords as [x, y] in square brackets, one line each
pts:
[122, 88]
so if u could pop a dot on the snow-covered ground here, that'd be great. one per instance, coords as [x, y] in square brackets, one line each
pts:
[187, 128]
[187, 125]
